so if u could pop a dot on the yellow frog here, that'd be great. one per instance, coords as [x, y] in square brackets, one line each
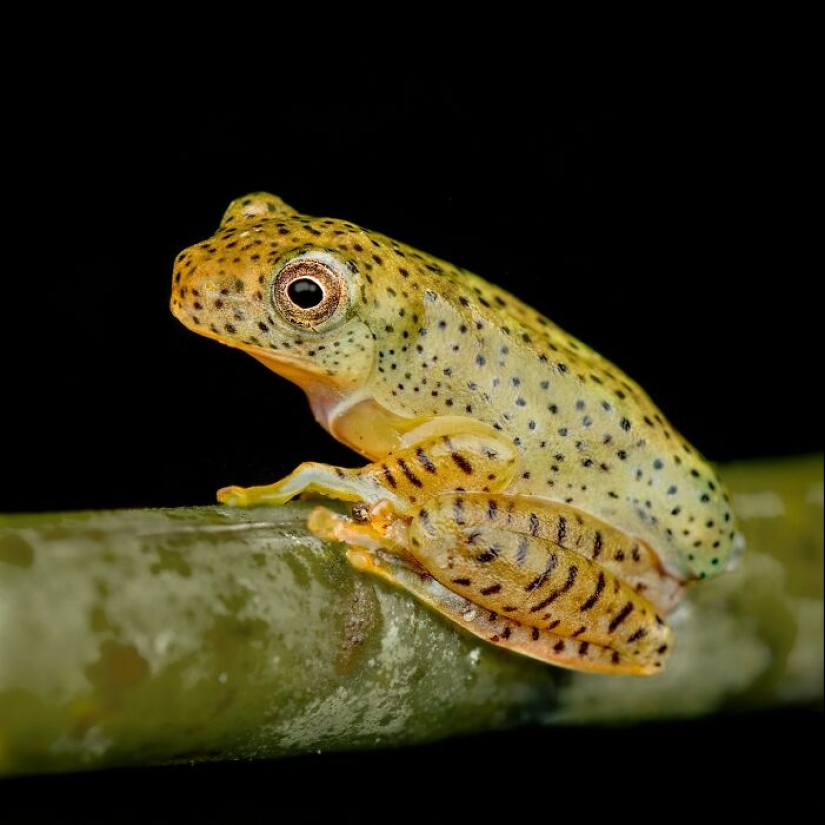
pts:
[520, 483]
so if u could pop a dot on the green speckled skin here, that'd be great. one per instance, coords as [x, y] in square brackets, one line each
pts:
[406, 347]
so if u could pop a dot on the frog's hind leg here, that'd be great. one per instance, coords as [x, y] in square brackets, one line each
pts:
[559, 605]
[373, 553]
[519, 591]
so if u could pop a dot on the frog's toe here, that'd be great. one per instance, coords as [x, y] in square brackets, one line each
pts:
[232, 496]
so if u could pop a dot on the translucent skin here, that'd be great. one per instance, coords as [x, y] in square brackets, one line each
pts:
[422, 357]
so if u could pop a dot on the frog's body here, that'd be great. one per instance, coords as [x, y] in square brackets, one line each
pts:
[557, 508]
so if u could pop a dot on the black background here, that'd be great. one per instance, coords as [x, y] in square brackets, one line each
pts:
[657, 221]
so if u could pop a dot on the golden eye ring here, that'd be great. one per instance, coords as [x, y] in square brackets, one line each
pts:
[308, 292]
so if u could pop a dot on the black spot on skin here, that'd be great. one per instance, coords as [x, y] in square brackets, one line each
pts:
[558, 646]
[583, 647]
[535, 634]
[462, 582]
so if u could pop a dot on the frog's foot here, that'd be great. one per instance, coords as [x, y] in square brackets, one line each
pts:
[356, 531]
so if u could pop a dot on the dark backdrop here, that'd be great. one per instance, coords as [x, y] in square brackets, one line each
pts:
[656, 222]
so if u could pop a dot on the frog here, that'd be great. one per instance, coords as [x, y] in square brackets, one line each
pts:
[518, 483]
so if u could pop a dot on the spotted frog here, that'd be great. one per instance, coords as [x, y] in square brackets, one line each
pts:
[518, 482]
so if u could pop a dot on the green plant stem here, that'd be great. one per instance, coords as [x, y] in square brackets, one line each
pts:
[147, 636]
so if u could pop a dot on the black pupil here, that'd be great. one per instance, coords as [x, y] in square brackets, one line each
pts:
[305, 293]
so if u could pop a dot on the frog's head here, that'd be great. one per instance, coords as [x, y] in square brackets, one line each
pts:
[292, 291]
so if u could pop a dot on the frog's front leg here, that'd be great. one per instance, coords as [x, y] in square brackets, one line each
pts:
[463, 461]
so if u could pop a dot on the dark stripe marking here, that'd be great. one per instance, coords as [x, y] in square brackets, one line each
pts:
[558, 646]
[389, 476]
[561, 530]
[554, 624]
[491, 509]
[597, 544]
[425, 460]
[411, 476]
[458, 511]
[505, 634]
[620, 617]
[462, 463]
[542, 577]
[424, 515]
[615, 657]
[535, 634]
[488, 556]
[521, 550]
[549, 600]
[583, 648]
[597, 594]
[571, 578]
[534, 524]
[639, 634]
[488, 591]
[578, 632]
[462, 582]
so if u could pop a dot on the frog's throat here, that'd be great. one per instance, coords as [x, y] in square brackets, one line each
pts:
[349, 415]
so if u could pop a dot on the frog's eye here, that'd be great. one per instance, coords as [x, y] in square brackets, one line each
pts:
[308, 292]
